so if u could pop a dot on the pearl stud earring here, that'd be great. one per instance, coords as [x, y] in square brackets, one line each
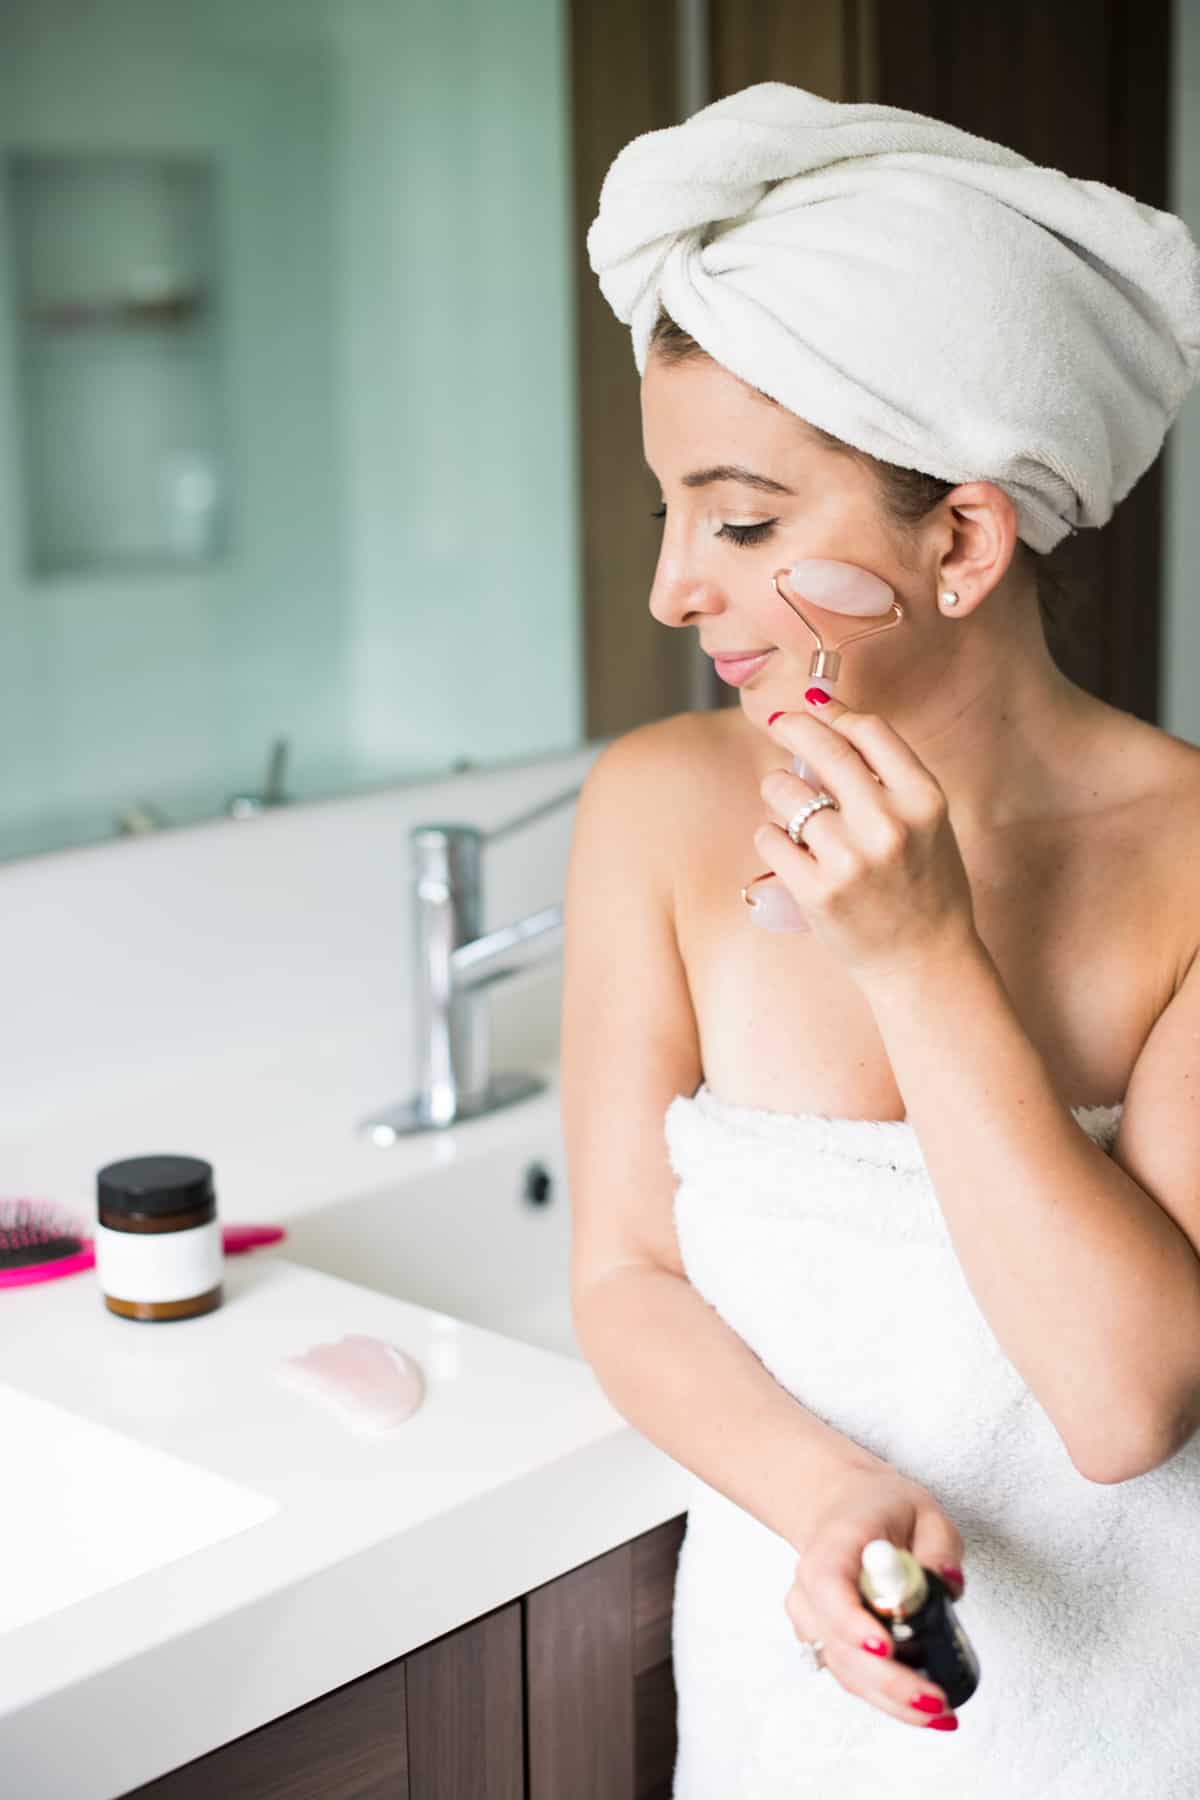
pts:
[949, 599]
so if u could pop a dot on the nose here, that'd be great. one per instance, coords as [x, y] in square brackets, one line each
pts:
[681, 597]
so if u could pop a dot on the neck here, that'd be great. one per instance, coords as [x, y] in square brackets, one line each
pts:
[997, 723]
[1004, 744]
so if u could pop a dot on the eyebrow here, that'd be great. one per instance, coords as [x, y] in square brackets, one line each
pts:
[733, 472]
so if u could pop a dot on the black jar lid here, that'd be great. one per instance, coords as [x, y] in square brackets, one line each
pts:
[156, 1186]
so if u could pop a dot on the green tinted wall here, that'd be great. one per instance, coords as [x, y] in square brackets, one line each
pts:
[375, 400]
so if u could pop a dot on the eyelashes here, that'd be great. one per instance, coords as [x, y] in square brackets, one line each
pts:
[736, 534]
[748, 534]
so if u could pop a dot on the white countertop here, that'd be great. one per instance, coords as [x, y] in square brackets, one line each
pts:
[515, 1468]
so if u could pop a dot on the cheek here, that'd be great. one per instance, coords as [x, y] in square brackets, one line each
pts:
[820, 602]
[775, 622]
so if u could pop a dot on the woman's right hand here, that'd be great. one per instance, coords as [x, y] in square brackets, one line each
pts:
[862, 1502]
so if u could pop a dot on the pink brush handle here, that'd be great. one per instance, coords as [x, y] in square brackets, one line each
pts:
[234, 1239]
[244, 1237]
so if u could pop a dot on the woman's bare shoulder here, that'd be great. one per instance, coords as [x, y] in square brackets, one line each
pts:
[1137, 763]
[662, 788]
[1146, 786]
[1179, 760]
[667, 749]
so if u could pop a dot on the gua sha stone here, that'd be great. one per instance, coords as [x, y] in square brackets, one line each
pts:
[372, 1386]
[827, 586]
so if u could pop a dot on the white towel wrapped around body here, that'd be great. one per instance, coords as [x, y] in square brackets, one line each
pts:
[821, 1243]
[926, 295]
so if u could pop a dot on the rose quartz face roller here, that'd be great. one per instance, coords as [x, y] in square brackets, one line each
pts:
[836, 587]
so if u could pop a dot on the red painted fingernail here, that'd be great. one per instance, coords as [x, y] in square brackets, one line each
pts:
[876, 1646]
[927, 1703]
[817, 696]
[954, 1575]
[947, 1722]
[774, 716]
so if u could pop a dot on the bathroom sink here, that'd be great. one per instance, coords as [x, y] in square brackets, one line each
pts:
[482, 1232]
[86, 1508]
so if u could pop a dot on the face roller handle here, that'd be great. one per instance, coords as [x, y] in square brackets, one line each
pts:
[835, 587]
[843, 588]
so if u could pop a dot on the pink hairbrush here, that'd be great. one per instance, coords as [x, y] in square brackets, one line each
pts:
[39, 1242]
[836, 587]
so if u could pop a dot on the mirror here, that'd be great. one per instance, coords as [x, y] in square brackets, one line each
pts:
[288, 487]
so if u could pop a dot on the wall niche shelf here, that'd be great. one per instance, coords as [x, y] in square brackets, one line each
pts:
[84, 315]
[116, 266]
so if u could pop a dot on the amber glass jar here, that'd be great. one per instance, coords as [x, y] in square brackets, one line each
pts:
[158, 1243]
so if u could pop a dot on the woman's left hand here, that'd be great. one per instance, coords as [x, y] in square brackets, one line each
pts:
[881, 882]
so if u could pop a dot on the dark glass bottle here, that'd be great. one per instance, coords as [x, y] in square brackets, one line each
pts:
[916, 1606]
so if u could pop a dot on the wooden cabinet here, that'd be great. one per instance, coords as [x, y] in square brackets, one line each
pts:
[568, 1691]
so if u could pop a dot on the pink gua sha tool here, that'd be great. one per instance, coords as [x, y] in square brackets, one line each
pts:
[371, 1385]
[836, 587]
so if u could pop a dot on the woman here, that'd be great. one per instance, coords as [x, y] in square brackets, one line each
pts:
[931, 1269]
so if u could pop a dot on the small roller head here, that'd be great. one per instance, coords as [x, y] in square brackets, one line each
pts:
[838, 587]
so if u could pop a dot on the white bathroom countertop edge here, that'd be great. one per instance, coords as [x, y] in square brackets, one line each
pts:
[154, 1710]
[475, 1500]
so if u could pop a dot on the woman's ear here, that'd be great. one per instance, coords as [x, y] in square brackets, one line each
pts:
[985, 543]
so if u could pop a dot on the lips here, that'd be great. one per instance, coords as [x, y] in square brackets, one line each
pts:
[735, 655]
[737, 670]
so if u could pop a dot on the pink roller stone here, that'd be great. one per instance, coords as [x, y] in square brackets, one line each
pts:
[840, 587]
[775, 910]
[370, 1384]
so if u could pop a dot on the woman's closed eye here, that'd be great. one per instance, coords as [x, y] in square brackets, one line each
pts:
[737, 534]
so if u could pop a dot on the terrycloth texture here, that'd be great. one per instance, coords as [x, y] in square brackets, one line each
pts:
[929, 296]
[821, 1242]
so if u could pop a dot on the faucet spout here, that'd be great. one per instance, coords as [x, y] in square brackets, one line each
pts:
[454, 963]
[507, 950]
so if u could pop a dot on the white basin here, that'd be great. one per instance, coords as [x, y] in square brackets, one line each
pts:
[84, 1508]
[484, 1236]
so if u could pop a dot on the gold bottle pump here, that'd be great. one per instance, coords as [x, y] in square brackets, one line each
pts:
[894, 1582]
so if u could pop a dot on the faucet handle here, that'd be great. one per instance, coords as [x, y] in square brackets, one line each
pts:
[140, 819]
[511, 826]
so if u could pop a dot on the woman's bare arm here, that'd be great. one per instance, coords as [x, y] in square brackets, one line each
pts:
[666, 1359]
[1089, 1280]
[672, 1366]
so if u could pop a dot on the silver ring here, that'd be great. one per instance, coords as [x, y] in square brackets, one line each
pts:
[798, 819]
[815, 1645]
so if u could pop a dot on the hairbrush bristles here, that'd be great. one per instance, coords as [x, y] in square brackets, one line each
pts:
[36, 1231]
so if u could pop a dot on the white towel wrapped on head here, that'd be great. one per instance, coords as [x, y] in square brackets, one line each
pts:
[928, 296]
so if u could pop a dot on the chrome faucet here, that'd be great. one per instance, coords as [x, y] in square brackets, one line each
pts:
[453, 965]
[245, 806]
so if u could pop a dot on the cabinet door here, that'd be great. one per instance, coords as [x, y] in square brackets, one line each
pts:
[447, 1722]
[351, 1744]
[655, 1558]
[444, 1723]
[466, 1731]
[579, 1682]
[599, 1688]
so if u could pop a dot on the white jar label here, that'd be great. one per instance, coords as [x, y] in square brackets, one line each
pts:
[152, 1266]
